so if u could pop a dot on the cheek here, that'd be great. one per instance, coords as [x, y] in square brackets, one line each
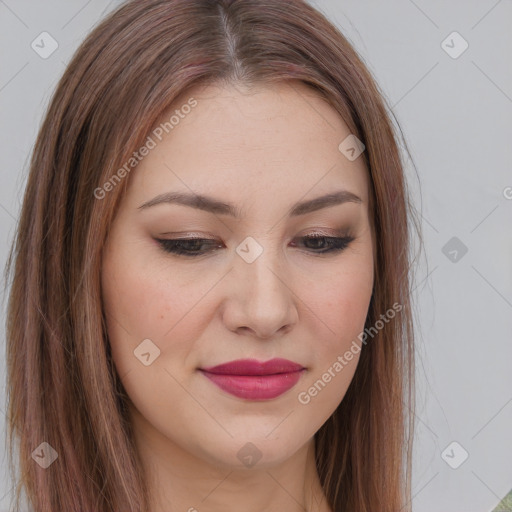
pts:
[146, 299]
[344, 298]
[341, 307]
[345, 315]
[132, 297]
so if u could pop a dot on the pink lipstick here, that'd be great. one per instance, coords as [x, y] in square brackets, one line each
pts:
[255, 380]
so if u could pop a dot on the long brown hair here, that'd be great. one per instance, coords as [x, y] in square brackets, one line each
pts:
[62, 385]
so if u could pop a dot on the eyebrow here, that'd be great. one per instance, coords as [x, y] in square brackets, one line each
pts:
[212, 205]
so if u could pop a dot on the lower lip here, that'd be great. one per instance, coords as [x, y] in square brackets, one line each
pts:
[255, 387]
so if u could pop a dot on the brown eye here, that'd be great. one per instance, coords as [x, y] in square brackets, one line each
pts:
[326, 244]
[200, 246]
[188, 246]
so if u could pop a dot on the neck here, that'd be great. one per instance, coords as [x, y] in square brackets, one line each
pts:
[180, 482]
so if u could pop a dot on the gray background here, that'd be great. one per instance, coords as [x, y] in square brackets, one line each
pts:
[456, 116]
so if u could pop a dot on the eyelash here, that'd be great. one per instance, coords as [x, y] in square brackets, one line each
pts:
[175, 246]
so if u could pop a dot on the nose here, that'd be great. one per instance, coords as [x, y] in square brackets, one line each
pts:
[259, 297]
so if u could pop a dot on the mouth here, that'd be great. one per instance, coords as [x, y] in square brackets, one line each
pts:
[254, 380]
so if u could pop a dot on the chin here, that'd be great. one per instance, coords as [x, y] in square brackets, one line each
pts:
[246, 452]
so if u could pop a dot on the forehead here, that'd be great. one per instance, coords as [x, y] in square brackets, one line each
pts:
[258, 144]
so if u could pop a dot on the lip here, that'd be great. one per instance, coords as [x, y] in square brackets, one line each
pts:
[255, 380]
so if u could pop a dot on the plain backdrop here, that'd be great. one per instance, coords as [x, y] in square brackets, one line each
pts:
[444, 68]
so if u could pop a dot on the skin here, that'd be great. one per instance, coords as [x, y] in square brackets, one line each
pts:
[262, 149]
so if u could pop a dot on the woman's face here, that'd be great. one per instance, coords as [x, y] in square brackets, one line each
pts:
[256, 288]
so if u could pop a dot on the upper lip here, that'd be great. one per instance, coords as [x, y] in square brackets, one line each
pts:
[255, 367]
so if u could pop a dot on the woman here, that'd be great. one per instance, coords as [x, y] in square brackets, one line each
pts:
[209, 306]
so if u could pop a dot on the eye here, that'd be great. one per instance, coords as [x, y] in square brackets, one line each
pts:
[188, 246]
[321, 244]
[316, 244]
